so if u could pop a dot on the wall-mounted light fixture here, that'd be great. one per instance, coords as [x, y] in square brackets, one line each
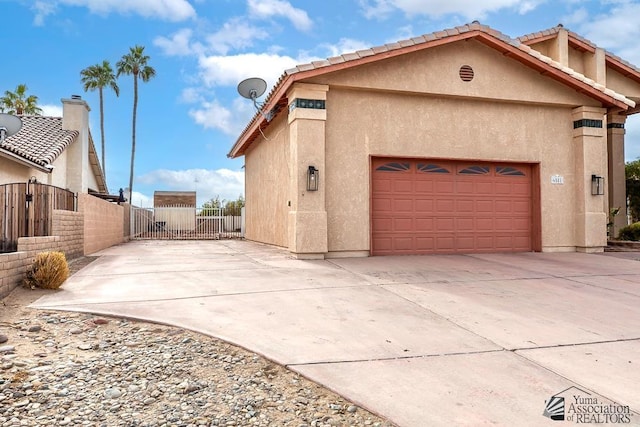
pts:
[313, 176]
[597, 185]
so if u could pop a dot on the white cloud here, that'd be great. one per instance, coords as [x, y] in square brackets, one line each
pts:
[231, 70]
[345, 45]
[42, 9]
[380, 9]
[212, 115]
[50, 110]
[170, 10]
[178, 44]
[208, 184]
[272, 8]
[139, 199]
[623, 41]
[231, 121]
[235, 34]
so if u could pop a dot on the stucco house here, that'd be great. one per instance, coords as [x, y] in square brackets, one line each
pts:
[459, 141]
[57, 151]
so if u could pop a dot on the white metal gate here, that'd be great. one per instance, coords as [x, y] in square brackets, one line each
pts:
[186, 223]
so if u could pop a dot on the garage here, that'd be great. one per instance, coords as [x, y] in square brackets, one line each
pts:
[426, 206]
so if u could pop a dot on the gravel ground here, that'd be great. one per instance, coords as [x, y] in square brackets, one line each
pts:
[76, 369]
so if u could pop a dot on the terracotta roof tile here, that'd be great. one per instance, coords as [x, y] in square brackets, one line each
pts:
[518, 43]
[40, 140]
[405, 43]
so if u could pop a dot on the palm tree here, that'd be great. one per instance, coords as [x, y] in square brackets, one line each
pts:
[19, 103]
[98, 77]
[135, 63]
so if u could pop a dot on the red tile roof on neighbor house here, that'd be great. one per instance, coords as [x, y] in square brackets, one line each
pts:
[40, 140]
[581, 43]
[513, 48]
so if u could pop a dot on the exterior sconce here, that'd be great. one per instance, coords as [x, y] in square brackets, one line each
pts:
[313, 176]
[597, 185]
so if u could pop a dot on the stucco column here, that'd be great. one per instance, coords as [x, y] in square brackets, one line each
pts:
[616, 184]
[590, 144]
[308, 214]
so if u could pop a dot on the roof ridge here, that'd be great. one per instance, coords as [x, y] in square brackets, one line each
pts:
[518, 43]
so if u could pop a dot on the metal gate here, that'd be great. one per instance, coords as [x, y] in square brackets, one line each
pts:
[186, 223]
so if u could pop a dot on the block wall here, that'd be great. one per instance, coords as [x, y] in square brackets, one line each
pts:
[103, 223]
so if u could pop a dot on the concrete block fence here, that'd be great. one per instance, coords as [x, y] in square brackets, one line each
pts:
[97, 225]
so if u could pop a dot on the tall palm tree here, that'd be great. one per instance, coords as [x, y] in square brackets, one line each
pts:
[98, 77]
[19, 103]
[135, 63]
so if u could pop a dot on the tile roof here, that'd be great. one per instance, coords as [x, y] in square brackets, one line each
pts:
[40, 140]
[473, 29]
[552, 32]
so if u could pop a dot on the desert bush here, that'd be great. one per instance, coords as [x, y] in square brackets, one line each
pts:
[630, 232]
[48, 271]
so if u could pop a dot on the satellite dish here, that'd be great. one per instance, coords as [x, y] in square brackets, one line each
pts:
[9, 125]
[252, 88]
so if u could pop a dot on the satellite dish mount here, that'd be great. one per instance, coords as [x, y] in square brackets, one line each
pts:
[253, 88]
[9, 125]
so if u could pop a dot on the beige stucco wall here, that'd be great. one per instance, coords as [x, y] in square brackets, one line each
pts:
[621, 84]
[267, 185]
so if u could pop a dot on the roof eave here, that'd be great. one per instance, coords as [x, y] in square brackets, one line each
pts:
[26, 162]
[259, 122]
[550, 71]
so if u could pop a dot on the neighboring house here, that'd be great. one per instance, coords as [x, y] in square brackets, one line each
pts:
[57, 151]
[460, 141]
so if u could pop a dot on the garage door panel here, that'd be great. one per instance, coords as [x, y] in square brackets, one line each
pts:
[403, 225]
[484, 206]
[424, 225]
[448, 207]
[444, 187]
[425, 243]
[383, 224]
[465, 224]
[403, 186]
[424, 205]
[382, 205]
[403, 205]
[445, 206]
[424, 186]
[465, 205]
[445, 224]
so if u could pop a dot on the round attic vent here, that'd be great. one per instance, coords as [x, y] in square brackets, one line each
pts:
[466, 73]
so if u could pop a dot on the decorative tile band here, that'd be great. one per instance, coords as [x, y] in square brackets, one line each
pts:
[615, 125]
[314, 104]
[587, 123]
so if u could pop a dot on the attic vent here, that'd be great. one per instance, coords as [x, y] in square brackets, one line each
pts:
[466, 73]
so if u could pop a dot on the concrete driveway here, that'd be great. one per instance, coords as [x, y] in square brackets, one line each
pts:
[422, 340]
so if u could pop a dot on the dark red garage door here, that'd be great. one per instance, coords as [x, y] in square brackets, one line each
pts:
[428, 206]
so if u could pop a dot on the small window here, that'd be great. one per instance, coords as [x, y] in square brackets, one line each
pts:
[475, 170]
[431, 168]
[507, 170]
[393, 167]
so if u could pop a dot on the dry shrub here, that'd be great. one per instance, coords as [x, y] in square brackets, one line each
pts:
[48, 271]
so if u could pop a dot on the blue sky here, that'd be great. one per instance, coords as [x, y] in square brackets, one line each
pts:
[190, 114]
